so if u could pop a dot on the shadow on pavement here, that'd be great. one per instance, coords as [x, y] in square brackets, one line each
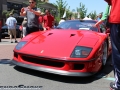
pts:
[66, 79]
[7, 40]
[6, 61]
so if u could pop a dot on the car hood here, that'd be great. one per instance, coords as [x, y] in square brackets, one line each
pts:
[59, 43]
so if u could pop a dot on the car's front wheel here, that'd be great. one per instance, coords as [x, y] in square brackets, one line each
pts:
[105, 54]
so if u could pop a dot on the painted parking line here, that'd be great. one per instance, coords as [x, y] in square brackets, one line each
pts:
[8, 44]
[110, 78]
[106, 77]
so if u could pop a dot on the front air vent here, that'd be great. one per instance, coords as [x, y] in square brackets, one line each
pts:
[72, 35]
[49, 34]
[43, 61]
[78, 66]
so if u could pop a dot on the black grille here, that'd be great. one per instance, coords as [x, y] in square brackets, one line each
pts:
[15, 55]
[43, 61]
[78, 66]
[4, 30]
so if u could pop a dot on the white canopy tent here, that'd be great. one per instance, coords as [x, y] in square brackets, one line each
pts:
[86, 18]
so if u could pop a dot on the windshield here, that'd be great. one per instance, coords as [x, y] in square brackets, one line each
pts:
[78, 25]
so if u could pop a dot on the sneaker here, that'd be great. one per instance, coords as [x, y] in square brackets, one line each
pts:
[16, 41]
[112, 86]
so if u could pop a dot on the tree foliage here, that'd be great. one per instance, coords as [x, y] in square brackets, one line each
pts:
[82, 11]
[61, 6]
[93, 15]
[38, 3]
[6, 13]
[68, 13]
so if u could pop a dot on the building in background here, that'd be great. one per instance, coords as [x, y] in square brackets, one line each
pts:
[9, 5]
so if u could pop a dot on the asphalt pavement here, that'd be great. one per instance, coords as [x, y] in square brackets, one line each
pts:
[11, 75]
[7, 41]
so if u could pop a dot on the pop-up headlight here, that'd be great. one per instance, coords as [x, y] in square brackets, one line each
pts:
[20, 45]
[81, 52]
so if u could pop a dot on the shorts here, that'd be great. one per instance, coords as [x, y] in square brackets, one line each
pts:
[12, 32]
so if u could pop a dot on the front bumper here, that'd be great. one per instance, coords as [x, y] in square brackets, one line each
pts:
[49, 70]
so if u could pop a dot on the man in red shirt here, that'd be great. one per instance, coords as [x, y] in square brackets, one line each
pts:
[48, 20]
[114, 19]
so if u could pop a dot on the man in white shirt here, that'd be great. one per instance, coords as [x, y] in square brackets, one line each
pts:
[11, 24]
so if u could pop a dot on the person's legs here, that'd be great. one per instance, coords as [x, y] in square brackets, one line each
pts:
[14, 34]
[115, 41]
[21, 34]
[27, 30]
[0, 35]
[24, 31]
[41, 28]
[10, 34]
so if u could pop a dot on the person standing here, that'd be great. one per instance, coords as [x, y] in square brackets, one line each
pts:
[114, 20]
[32, 13]
[48, 20]
[11, 24]
[0, 30]
[41, 21]
[24, 25]
[99, 16]
[104, 17]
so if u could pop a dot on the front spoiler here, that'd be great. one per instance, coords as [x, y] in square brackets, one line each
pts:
[49, 70]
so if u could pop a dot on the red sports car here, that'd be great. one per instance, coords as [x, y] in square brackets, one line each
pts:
[74, 48]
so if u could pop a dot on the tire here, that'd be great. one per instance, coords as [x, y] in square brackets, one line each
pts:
[105, 54]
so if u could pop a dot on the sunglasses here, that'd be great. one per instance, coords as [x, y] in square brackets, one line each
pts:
[31, 2]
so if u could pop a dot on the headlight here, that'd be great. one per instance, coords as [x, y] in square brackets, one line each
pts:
[81, 52]
[20, 45]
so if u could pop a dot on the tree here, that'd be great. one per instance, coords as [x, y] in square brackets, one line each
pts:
[82, 11]
[6, 13]
[61, 6]
[38, 3]
[93, 15]
[69, 14]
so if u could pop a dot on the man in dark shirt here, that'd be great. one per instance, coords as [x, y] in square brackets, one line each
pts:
[32, 13]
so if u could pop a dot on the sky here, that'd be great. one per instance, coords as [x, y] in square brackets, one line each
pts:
[91, 5]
